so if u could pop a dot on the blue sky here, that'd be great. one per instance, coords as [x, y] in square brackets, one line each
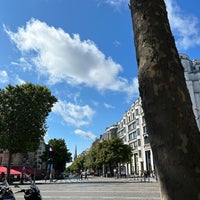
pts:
[83, 52]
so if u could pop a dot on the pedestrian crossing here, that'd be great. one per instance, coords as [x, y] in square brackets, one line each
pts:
[88, 190]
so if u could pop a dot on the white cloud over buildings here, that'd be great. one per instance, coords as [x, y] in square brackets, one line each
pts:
[66, 58]
[73, 114]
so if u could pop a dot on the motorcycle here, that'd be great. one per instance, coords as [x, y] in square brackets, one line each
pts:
[32, 193]
[6, 192]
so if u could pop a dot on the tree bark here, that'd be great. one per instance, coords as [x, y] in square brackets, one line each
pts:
[172, 128]
[9, 166]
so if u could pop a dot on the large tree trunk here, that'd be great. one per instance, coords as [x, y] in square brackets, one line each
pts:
[173, 132]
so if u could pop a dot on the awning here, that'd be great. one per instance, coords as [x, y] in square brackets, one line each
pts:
[26, 170]
[12, 171]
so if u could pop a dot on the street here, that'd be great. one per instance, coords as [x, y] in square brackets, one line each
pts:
[97, 191]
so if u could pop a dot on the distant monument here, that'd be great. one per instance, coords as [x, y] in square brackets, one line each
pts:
[75, 153]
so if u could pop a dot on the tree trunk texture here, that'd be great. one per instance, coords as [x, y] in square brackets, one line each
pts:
[172, 128]
[9, 166]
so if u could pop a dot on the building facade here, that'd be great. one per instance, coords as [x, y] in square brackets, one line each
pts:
[132, 127]
[192, 76]
[132, 130]
[29, 159]
[110, 132]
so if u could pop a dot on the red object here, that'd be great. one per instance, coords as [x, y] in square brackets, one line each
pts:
[12, 171]
[26, 170]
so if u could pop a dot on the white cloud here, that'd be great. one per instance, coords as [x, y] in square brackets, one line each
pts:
[130, 90]
[66, 58]
[22, 62]
[74, 114]
[85, 134]
[116, 43]
[117, 3]
[185, 26]
[95, 103]
[108, 106]
[19, 81]
[4, 76]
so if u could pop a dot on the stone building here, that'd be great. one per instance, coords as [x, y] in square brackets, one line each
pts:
[192, 76]
[110, 132]
[132, 130]
[132, 127]
[29, 159]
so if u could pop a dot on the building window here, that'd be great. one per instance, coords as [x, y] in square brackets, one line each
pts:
[144, 129]
[140, 153]
[124, 139]
[132, 126]
[138, 131]
[146, 140]
[139, 142]
[137, 122]
[130, 136]
[143, 119]
[137, 112]
[135, 144]
[134, 134]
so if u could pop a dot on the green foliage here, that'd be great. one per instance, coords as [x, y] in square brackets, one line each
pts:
[112, 151]
[23, 112]
[78, 164]
[60, 154]
[108, 152]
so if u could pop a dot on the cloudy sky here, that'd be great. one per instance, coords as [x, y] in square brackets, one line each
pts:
[83, 52]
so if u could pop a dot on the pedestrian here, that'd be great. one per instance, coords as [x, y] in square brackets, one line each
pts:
[3, 176]
[81, 175]
[86, 175]
[115, 173]
[145, 175]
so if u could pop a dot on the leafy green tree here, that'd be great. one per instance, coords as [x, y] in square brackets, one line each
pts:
[23, 112]
[167, 106]
[91, 158]
[113, 152]
[60, 154]
[109, 152]
[118, 151]
[79, 164]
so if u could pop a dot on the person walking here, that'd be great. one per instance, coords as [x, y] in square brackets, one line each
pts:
[86, 177]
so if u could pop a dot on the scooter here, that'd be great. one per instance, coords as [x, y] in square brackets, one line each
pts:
[6, 192]
[32, 193]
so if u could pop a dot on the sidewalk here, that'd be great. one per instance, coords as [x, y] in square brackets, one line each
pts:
[94, 179]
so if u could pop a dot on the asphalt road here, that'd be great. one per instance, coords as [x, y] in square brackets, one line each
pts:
[97, 191]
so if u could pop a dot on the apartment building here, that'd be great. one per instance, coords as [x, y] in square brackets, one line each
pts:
[132, 130]
[132, 127]
[110, 132]
[192, 76]
[29, 159]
